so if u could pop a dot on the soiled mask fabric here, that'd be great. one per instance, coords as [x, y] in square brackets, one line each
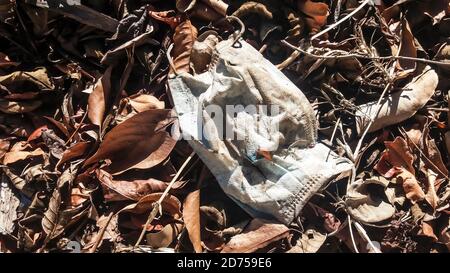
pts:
[267, 158]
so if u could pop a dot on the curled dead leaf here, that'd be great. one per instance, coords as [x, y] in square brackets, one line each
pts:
[18, 107]
[170, 206]
[316, 12]
[120, 190]
[368, 206]
[209, 10]
[253, 7]
[98, 99]
[38, 79]
[4, 147]
[75, 151]
[397, 154]
[167, 17]
[164, 237]
[407, 47]
[410, 185]
[5, 61]
[310, 242]
[144, 102]
[257, 235]
[399, 106]
[184, 39]
[14, 156]
[162, 231]
[191, 217]
[139, 142]
[59, 213]
[296, 23]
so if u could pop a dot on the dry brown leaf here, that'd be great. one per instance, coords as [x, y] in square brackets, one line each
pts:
[61, 127]
[136, 104]
[399, 106]
[316, 12]
[184, 37]
[218, 5]
[165, 17]
[59, 214]
[427, 230]
[77, 197]
[185, 5]
[5, 61]
[18, 107]
[4, 147]
[98, 99]
[164, 237]
[433, 159]
[120, 190]
[144, 102]
[204, 12]
[77, 150]
[14, 156]
[139, 142]
[410, 185]
[366, 204]
[37, 133]
[310, 242]
[397, 154]
[191, 217]
[17, 80]
[443, 55]
[134, 216]
[431, 195]
[407, 48]
[296, 23]
[253, 7]
[414, 133]
[170, 204]
[212, 223]
[164, 144]
[208, 10]
[258, 234]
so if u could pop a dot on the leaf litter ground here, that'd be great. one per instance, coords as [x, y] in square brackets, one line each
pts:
[87, 158]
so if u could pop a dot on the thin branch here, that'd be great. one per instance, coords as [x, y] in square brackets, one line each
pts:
[424, 155]
[354, 55]
[345, 18]
[101, 233]
[372, 119]
[363, 234]
[351, 233]
[157, 206]
[78, 127]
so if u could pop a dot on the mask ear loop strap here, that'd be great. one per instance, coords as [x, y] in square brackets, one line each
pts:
[240, 32]
[238, 35]
[169, 58]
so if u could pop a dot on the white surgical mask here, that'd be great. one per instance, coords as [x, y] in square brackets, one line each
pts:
[256, 132]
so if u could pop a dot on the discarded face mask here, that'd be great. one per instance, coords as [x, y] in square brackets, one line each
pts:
[255, 131]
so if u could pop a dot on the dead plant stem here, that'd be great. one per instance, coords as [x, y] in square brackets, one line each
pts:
[158, 205]
[343, 19]
[353, 55]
